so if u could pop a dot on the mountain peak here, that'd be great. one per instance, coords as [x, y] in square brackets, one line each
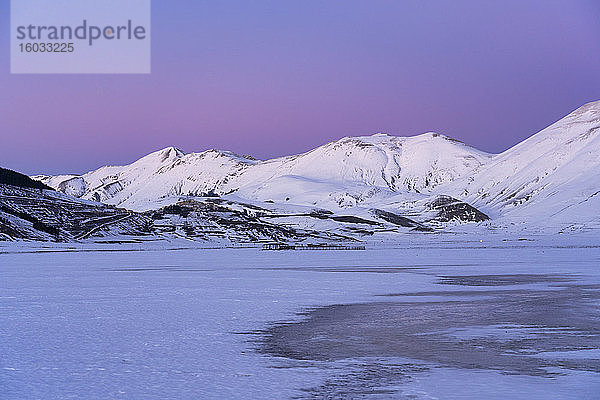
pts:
[167, 154]
[592, 104]
[436, 136]
[592, 109]
[171, 150]
[385, 137]
[217, 154]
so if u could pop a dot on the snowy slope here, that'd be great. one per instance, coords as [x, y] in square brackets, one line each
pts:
[551, 178]
[355, 170]
[343, 173]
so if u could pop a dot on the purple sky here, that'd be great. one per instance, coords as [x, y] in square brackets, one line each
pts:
[271, 78]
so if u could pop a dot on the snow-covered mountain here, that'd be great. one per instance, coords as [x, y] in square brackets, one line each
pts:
[341, 173]
[164, 174]
[552, 178]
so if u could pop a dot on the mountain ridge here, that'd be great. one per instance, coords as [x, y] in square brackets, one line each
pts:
[551, 171]
[413, 164]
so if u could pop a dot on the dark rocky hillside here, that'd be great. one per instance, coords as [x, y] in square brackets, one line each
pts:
[13, 178]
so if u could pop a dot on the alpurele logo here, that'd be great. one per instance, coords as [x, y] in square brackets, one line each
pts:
[80, 36]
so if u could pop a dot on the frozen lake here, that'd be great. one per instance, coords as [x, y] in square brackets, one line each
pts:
[435, 317]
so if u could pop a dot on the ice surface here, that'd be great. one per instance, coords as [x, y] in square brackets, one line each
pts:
[94, 321]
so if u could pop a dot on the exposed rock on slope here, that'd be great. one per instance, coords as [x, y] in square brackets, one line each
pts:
[36, 214]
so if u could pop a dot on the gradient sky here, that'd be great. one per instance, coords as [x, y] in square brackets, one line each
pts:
[271, 78]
